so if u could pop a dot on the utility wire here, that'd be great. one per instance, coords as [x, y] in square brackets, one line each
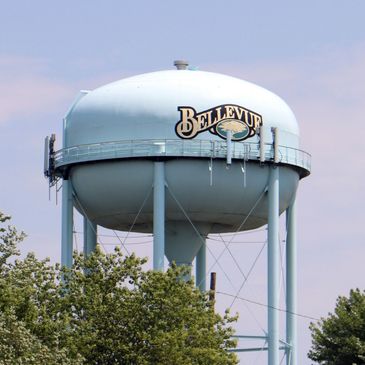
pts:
[121, 236]
[244, 232]
[239, 242]
[269, 306]
[149, 242]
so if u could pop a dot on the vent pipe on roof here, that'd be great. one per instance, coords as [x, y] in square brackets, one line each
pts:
[181, 64]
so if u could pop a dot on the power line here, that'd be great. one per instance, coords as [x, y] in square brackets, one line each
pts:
[221, 241]
[268, 306]
[252, 231]
[149, 242]
[121, 236]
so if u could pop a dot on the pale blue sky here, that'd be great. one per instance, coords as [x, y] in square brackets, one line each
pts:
[311, 53]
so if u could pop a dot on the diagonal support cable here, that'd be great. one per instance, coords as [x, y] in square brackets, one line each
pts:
[240, 226]
[248, 274]
[121, 242]
[233, 258]
[85, 215]
[245, 281]
[198, 233]
[134, 222]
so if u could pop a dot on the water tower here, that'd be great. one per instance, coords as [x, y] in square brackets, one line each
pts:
[182, 154]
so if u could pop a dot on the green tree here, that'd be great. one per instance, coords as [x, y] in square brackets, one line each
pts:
[121, 314]
[340, 338]
[18, 345]
[105, 310]
[9, 240]
[29, 331]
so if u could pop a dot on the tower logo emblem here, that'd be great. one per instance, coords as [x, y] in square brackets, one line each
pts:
[242, 123]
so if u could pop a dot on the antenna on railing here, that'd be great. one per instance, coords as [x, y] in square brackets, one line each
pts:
[49, 168]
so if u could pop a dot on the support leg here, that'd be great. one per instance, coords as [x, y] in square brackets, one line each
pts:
[90, 233]
[201, 267]
[273, 267]
[67, 224]
[291, 283]
[159, 216]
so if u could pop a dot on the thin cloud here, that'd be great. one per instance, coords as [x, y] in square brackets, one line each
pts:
[25, 89]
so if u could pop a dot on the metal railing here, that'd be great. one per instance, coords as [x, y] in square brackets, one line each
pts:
[177, 148]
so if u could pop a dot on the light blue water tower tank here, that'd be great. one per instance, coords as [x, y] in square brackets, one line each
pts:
[182, 154]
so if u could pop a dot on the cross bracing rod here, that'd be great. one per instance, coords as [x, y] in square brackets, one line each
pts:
[254, 349]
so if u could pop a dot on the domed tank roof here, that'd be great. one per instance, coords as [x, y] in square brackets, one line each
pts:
[216, 137]
[147, 107]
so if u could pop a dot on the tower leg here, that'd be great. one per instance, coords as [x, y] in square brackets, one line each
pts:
[159, 216]
[90, 233]
[291, 284]
[273, 267]
[67, 224]
[201, 267]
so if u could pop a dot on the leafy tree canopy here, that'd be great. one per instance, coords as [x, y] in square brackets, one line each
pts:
[340, 338]
[104, 310]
